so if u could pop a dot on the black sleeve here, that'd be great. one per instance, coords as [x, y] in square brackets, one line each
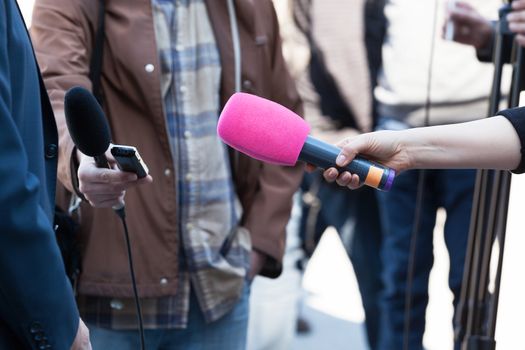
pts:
[516, 116]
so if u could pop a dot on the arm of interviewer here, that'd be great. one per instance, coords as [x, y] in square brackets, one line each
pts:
[491, 143]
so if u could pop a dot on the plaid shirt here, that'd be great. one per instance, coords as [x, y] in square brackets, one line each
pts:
[214, 251]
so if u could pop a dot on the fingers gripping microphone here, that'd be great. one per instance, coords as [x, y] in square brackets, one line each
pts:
[269, 132]
[88, 128]
[87, 124]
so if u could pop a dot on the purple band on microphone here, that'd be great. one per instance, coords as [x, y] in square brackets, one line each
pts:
[389, 180]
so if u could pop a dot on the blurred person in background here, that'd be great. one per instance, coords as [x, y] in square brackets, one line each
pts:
[344, 41]
[455, 90]
[333, 51]
[213, 218]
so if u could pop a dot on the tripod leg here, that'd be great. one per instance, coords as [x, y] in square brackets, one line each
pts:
[485, 324]
[469, 322]
[503, 200]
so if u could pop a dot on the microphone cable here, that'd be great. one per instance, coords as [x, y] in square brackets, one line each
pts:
[121, 212]
[90, 132]
[419, 196]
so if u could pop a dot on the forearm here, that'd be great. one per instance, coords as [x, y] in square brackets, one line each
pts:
[490, 143]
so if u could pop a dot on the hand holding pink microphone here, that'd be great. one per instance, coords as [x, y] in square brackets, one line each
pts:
[269, 132]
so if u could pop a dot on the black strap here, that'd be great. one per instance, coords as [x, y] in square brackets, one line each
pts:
[95, 67]
[95, 72]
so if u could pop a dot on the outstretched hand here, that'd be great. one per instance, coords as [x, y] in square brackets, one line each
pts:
[383, 147]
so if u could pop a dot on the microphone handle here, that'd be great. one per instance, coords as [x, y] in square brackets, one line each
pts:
[323, 155]
[102, 162]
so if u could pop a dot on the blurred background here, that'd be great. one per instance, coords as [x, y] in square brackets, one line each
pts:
[327, 296]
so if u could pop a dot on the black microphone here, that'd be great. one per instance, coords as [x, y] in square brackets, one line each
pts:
[87, 125]
[88, 128]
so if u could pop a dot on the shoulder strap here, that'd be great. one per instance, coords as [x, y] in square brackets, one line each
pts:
[95, 67]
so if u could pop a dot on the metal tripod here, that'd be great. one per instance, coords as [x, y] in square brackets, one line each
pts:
[475, 321]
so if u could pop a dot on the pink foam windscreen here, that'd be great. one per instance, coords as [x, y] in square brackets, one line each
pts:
[262, 129]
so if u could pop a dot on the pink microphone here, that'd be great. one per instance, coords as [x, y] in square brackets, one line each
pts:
[272, 133]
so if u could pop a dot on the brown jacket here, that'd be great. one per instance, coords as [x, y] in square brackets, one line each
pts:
[63, 33]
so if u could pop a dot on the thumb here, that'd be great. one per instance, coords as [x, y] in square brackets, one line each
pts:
[351, 147]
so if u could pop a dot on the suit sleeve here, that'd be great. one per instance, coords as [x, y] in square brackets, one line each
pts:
[270, 212]
[35, 295]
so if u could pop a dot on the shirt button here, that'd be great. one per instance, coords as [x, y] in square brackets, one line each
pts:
[167, 172]
[51, 151]
[163, 281]
[247, 85]
[116, 304]
[189, 226]
[187, 134]
[189, 177]
[183, 89]
[179, 47]
[149, 68]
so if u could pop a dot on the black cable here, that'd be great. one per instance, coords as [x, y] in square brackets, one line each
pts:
[122, 215]
[419, 196]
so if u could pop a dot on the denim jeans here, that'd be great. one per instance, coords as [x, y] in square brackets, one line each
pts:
[355, 216]
[450, 189]
[227, 333]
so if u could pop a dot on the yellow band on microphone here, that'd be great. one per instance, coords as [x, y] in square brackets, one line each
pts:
[373, 178]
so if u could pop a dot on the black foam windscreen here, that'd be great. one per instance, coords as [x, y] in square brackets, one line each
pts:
[86, 122]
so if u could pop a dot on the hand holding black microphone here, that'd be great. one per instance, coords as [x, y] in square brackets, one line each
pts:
[100, 181]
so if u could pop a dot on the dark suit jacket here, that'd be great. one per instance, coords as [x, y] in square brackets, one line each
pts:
[37, 308]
